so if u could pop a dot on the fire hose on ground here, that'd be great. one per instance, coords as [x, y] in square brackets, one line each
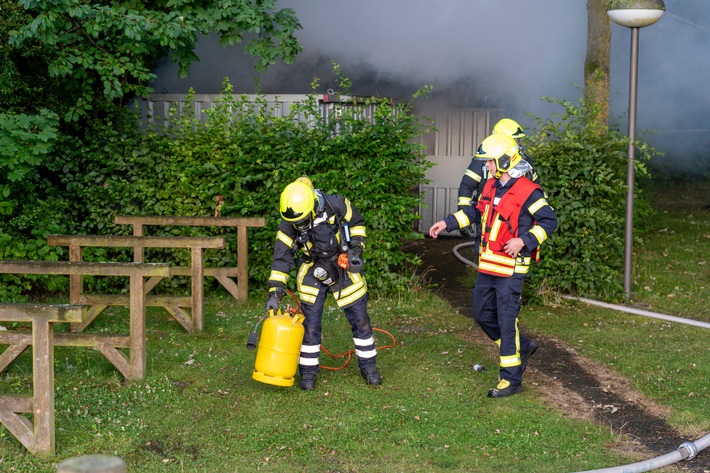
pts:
[687, 450]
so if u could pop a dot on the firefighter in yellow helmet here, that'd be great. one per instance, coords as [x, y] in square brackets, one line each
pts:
[510, 127]
[516, 219]
[475, 176]
[327, 234]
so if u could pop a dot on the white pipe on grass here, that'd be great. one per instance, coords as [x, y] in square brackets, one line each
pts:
[686, 451]
[646, 313]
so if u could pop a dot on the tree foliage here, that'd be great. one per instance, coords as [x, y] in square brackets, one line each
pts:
[29, 207]
[25, 141]
[67, 69]
[105, 51]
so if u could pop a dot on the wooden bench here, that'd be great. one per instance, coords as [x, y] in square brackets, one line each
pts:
[224, 275]
[173, 304]
[36, 435]
[133, 366]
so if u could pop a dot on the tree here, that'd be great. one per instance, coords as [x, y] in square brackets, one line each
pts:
[596, 63]
[104, 51]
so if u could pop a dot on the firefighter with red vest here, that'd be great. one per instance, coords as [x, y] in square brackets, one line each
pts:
[326, 233]
[476, 175]
[516, 219]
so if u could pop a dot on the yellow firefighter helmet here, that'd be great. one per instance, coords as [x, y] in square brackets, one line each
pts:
[306, 180]
[509, 127]
[297, 202]
[502, 149]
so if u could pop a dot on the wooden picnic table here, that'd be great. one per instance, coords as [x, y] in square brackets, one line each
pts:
[133, 366]
[174, 304]
[36, 435]
[225, 275]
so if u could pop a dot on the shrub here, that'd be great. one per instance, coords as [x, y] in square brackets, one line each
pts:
[583, 172]
[29, 210]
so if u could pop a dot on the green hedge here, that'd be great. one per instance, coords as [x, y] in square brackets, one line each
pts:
[247, 155]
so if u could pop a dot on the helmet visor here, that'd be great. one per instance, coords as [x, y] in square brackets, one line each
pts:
[481, 154]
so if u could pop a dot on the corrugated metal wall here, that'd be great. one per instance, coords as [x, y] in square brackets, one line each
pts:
[451, 148]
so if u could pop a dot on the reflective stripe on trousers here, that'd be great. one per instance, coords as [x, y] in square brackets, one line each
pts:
[359, 320]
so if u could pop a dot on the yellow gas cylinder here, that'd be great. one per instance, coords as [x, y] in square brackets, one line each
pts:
[279, 348]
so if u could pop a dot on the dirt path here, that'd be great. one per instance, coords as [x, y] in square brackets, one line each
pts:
[594, 391]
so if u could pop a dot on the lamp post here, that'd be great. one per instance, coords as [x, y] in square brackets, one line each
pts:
[632, 14]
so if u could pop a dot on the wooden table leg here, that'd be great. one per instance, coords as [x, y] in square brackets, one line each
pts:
[137, 329]
[43, 384]
[198, 289]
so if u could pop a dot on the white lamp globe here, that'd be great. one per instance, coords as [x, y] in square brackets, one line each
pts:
[635, 13]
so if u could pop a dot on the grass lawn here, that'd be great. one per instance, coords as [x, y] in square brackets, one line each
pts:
[199, 410]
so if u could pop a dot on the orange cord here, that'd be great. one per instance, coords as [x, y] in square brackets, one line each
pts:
[348, 353]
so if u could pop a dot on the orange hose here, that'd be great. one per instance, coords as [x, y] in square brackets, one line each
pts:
[348, 353]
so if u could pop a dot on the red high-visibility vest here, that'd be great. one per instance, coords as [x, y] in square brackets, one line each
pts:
[500, 224]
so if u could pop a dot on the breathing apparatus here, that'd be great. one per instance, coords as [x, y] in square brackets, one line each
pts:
[302, 228]
[329, 270]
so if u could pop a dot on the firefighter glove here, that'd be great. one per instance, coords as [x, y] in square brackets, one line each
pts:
[275, 296]
[355, 260]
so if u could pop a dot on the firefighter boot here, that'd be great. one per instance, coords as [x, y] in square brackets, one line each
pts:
[371, 375]
[504, 389]
[308, 381]
[524, 357]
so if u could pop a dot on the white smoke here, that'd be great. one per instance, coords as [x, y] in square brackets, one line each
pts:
[673, 100]
[484, 53]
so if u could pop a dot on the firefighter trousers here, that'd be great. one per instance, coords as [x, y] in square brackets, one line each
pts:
[496, 304]
[357, 316]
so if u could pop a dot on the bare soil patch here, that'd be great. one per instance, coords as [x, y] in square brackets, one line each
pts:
[563, 378]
